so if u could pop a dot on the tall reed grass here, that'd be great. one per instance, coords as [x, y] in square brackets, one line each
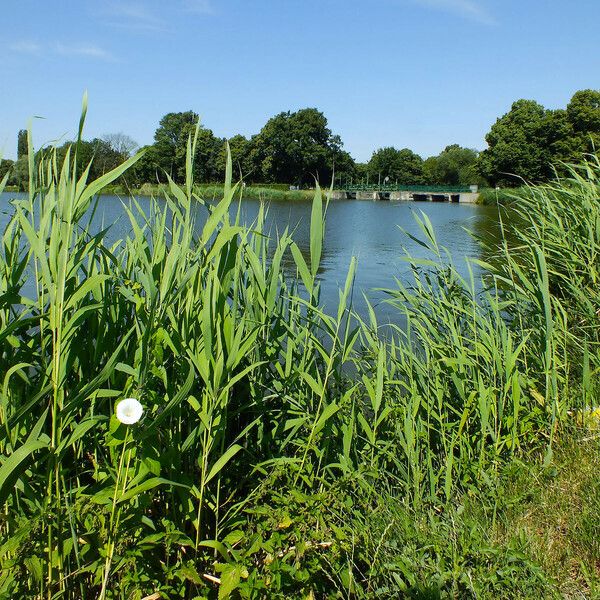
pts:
[249, 407]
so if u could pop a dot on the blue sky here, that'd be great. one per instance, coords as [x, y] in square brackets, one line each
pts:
[408, 73]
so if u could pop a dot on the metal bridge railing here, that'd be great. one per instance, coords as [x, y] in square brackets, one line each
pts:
[434, 189]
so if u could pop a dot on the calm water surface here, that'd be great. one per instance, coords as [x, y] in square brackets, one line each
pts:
[369, 230]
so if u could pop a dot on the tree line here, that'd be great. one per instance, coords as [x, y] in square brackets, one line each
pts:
[294, 148]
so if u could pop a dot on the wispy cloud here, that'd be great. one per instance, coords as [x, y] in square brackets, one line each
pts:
[58, 48]
[25, 47]
[203, 7]
[84, 50]
[152, 15]
[469, 9]
[132, 15]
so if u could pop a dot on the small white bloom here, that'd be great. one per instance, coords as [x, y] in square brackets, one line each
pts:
[129, 411]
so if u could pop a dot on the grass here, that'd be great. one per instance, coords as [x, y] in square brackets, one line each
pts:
[265, 192]
[558, 516]
[504, 196]
[440, 468]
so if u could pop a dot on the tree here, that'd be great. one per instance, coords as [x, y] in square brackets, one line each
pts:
[22, 147]
[120, 143]
[239, 148]
[144, 170]
[296, 148]
[517, 146]
[401, 166]
[453, 166]
[583, 115]
[20, 173]
[170, 142]
[6, 166]
[206, 158]
[560, 144]
[583, 111]
[96, 153]
[344, 166]
[361, 171]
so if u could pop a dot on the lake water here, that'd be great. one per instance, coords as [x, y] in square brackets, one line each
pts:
[369, 230]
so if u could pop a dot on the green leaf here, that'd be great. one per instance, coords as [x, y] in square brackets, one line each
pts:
[302, 267]
[147, 485]
[230, 580]
[222, 461]
[14, 466]
[327, 413]
[316, 231]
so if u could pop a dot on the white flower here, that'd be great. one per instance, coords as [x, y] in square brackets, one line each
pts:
[129, 411]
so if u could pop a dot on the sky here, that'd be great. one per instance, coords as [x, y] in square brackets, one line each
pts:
[421, 74]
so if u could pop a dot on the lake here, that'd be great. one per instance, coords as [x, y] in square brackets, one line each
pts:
[369, 230]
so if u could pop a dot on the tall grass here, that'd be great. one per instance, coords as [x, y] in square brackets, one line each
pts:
[267, 422]
[266, 192]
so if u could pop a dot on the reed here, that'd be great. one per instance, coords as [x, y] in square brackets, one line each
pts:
[257, 404]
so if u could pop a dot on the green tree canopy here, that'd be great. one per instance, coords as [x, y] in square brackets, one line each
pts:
[401, 166]
[170, 142]
[583, 111]
[530, 141]
[455, 165]
[6, 166]
[517, 146]
[22, 143]
[240, 161]
[168, 153]
[295, 148]
[20, 173]
[97, 152]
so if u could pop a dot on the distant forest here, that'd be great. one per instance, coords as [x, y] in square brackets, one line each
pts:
[294, 148]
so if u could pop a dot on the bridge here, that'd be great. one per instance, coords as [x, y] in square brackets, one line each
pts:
[417, 193]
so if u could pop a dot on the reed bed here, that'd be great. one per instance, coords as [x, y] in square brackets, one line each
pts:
[274, 435]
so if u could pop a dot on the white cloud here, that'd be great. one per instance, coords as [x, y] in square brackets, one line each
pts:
[83, 50]
[152, 15]
[25, 47]
[199, 6]
[469, 9]
[132, 15]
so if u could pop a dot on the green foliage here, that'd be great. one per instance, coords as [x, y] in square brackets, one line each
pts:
[22, 143]
[583, 111]
[437, 553]
[297, 148]
[453, 166]
[274, 435]
[557, 516]
[517, 146]
[529, 141]
[20, 173]
[503, 196]
[6, 166]
[401, 166]
[168, 154]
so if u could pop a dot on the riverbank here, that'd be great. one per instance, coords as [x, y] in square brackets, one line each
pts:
[274, 192]
[504, 196]
[459, 460]
[210, 191]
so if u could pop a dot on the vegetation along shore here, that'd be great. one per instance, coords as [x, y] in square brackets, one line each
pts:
[295, 148]
[181, 419]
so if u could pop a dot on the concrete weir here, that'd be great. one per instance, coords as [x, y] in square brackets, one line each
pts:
[388, 193]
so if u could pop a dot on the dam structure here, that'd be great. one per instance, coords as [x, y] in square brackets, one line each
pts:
[416, 193]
